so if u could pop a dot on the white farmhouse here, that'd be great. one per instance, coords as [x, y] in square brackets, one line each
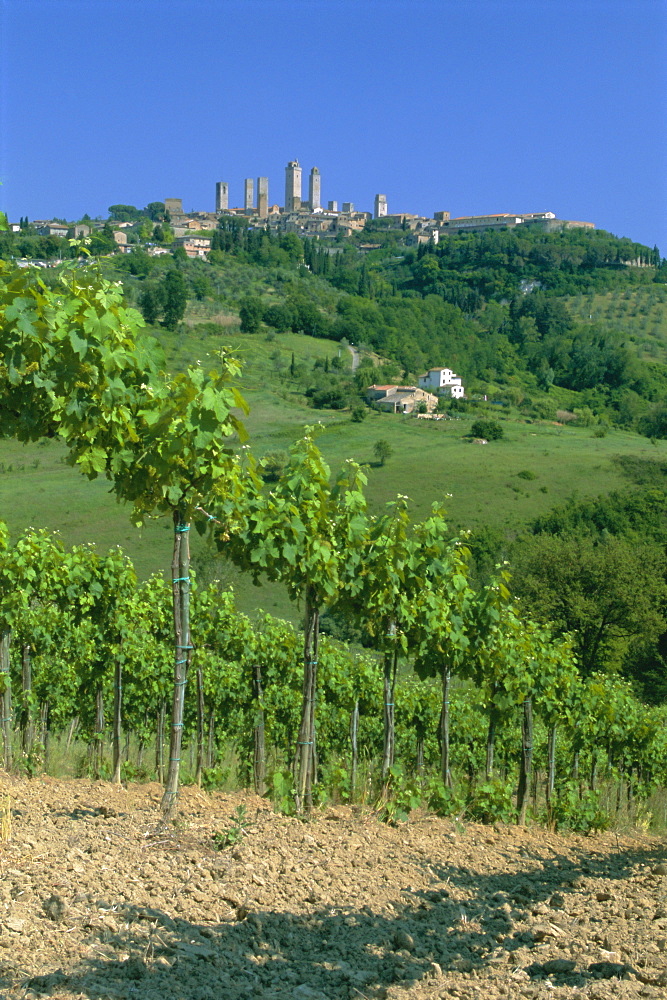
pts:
[442, 381]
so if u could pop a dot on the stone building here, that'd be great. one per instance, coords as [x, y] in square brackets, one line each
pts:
[400, 398]
[443, 381]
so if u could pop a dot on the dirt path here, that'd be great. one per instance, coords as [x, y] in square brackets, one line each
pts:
[94, 904]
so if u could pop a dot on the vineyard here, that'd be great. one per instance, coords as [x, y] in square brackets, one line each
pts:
[91, 655]
[457, 700]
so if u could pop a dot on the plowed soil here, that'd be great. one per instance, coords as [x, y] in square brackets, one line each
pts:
[97, 903]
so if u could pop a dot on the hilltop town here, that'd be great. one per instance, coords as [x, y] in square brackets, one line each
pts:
[306, 217]
[309, 217]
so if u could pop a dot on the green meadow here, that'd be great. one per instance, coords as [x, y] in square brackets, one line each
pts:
[503, 484]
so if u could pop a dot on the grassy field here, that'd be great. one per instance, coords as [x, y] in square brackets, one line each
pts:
[503, 484]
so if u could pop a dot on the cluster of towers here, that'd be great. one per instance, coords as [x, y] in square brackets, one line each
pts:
[293, 199]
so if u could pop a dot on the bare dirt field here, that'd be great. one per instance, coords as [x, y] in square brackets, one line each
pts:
[95, 903]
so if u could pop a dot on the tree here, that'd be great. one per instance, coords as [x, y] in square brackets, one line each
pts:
[442, 616]
[178, 457]
[251, 313]
[124, 213]
[278, 316]
[310, 535]
[382, 598]
[150, 302]
[382, 450]
[71, 364]
[607, 593]
[175, 298]
[155, 211]
[654, 423]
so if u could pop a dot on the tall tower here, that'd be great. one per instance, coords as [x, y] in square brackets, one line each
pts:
[292, 186]
[263, 197]
[248, 193]
[314, 183]
[380, 206]
[221, 196]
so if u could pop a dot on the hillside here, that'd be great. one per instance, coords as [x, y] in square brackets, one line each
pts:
[573, 366]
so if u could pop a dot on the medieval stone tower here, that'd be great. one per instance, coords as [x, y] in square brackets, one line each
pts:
[263, 197]
[292, 186]
[314, 183]
[380, 206]
[221, 196]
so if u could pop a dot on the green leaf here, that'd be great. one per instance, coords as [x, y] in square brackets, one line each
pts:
[79, 345]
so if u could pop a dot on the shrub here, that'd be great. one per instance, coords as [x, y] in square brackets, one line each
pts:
[491, 802]
[214, 778]
[441, 800]
[543, 410]
[487, 428]
[580, 814]
[403, 795]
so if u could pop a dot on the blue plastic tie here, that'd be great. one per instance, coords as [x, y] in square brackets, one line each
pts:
[177, 725]
[182, 529]
[179, 646]
[305, 743]
[181, 683]
[180, 579]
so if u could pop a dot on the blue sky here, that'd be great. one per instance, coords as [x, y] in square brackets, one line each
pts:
[471, 106]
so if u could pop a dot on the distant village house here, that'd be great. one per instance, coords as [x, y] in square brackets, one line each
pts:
[52, 229]
[400, 398]
[442, 381]
[194, 246]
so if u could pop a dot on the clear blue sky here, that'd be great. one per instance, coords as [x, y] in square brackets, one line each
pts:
[472, 106]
